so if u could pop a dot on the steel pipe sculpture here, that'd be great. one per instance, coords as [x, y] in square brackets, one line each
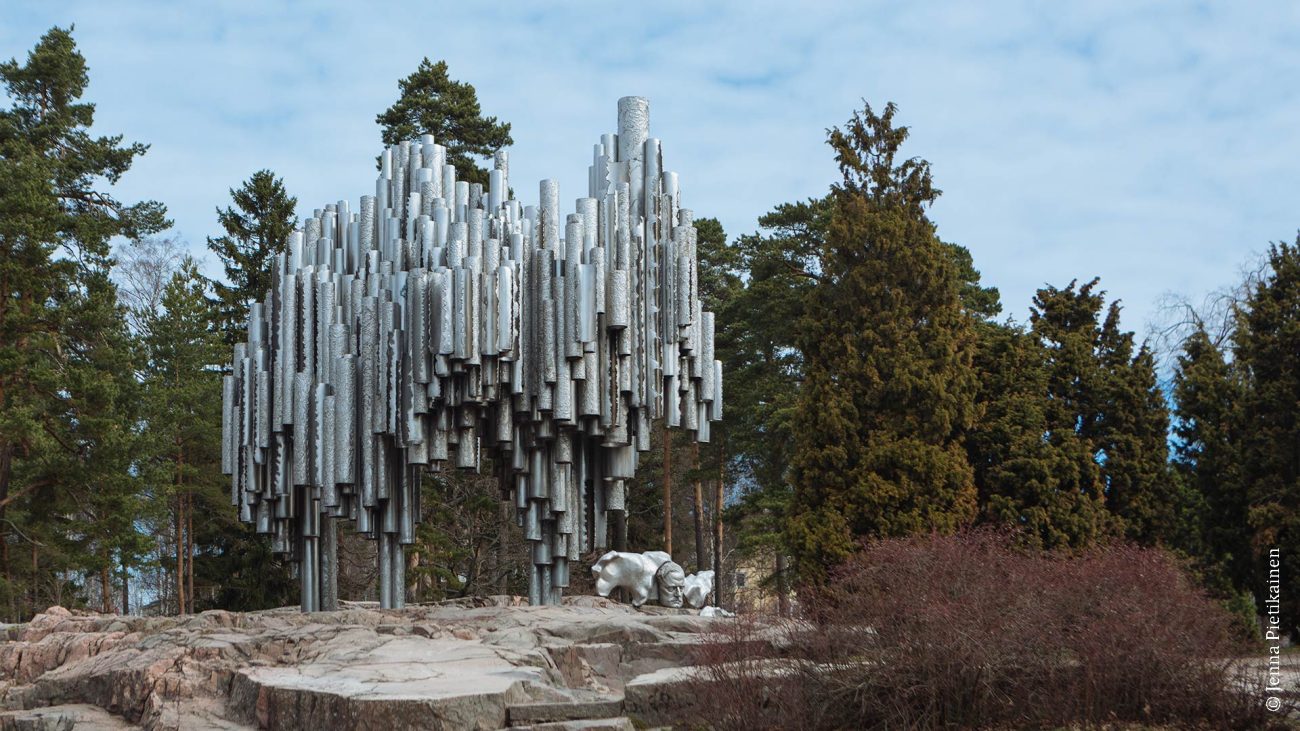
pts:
[440, 324]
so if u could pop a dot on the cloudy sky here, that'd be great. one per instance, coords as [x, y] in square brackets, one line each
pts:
[1154, 144]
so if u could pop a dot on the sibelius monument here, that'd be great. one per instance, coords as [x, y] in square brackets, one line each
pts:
[441, 323]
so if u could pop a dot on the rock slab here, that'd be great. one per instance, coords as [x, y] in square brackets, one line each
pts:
[482, 664]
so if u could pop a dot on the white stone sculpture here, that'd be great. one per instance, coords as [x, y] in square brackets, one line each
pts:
[698, 588]
[441, 322]
[651, 577]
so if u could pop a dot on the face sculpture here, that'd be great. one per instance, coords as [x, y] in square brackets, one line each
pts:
[671, 582]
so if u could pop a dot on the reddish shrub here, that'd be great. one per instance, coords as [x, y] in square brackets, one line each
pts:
[972, 631]
[741, 686]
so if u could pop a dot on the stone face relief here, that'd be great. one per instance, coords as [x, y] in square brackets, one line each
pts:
[651, 577]
[441, 322]
[670, 585]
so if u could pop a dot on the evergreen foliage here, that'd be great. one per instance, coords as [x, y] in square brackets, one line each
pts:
[67, 426]
[889, 387]
[1265, 347]
[430, 102]
[1104, 395]
[257, 228]
[870, 390]
[1034, 478]
[1208, 392]
[757, 340]
[223, 563]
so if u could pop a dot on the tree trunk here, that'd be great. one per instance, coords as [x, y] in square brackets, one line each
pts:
[180, 532]
[717, 545]
[189, 546]
[701, 551]
[782, 600]
[126, 587]
[6, 470]
[668, 491]
[180, 556]
[503, 549]
[35, 589]
[413, 580]
[719, 504]
[9, 577]
[619, 518]
[105, 588]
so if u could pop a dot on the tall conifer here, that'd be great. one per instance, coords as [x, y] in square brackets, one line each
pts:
[888, 388]
[1208, 392]
[1265, 347]
[61, 351]
[1039, 480]
[431, 102]
[257, 227]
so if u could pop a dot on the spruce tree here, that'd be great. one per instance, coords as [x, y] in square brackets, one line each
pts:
[1040, 481]
[1141, 487]
[1208, 392]
[430, 102]
[1264, 347]
[1106, 395]
[59, 327]
[888, 388]
[257, 228]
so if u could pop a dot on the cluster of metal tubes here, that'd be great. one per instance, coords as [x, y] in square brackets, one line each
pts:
[441, 325]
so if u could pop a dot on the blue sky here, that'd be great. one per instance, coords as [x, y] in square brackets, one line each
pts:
[1152, 144]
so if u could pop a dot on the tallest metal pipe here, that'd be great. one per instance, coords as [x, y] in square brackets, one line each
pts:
[436, 324]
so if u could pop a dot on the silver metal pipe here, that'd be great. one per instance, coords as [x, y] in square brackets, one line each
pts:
[441, 313]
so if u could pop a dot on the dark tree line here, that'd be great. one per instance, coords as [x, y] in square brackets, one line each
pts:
[111, 494]
[873, 392]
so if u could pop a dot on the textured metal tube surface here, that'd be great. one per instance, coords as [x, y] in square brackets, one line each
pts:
[438, 324]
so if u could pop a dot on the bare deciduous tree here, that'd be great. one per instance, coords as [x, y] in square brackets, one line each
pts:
[1178, 315]
[143, 270]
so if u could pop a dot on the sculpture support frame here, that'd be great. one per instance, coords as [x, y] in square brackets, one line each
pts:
[441, 324]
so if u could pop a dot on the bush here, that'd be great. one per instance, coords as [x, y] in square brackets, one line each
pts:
[971, 631]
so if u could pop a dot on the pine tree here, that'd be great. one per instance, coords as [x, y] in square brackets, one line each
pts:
[183, 393]
[60, 347]
[216, 556]
[888, 385]
[216, 561]
[430, 102]
[257, 228]
[757, 340]
[1264, 347]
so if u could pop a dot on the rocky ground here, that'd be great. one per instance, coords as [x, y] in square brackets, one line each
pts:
[484, 664]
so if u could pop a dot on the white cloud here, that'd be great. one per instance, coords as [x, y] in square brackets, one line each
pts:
[1152, 145]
